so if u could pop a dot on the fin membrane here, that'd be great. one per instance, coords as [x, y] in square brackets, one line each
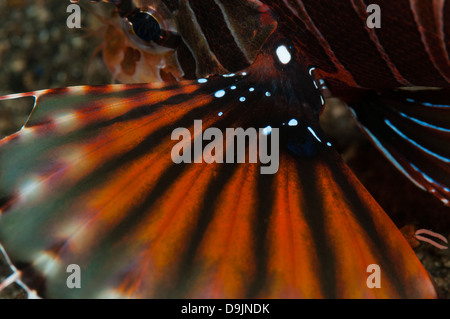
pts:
[90, 181]
[412, 129]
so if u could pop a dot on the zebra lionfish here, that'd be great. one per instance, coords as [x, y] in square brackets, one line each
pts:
[89, 179]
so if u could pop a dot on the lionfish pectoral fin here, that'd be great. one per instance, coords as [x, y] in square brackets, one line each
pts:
[351, 234]
[411, 128]
[91, 181]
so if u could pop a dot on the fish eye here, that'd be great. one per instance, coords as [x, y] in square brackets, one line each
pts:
[151, 28]
[145, 26]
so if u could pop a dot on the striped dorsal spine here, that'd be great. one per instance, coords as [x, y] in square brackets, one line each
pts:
[410, 49]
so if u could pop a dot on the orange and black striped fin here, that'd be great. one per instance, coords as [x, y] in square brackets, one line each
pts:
[411, 128]
[90, 180]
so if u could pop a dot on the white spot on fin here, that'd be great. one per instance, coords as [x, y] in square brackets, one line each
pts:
[283, 54]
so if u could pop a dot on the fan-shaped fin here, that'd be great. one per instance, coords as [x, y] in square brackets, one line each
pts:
[91, 181]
